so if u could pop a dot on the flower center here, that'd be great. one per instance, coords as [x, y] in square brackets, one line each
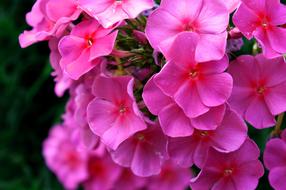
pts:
[140, 137]
[260, 90]
[122, 109]
[228, 172]
[193, 74]
[204, 133]
[264, 22]
[90, 41]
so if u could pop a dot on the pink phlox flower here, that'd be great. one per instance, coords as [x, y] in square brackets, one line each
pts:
[195, 86]
[263, 19]
[49, 18]
[113, 114]
[83, 48]
[232, 171]
[64, 159]
[207, 19]
[259, 89]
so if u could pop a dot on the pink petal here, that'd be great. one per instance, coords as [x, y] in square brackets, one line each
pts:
[213, 67]
[258, 115]
[154, 98]
[276, 12]
[174, 122]
[181, 150]
[205, 180]
[214, 44]
[183, 9]
[188, 98]
[99, 116]
[85, 28]
[231, 133]
[215, 89]
[276, 178]
[161, 26]
[210, 120]
[277, 39]
[274, 154]
[224, 183]
[275, 98]
[255, 5]
[213, 18]
[134, 8]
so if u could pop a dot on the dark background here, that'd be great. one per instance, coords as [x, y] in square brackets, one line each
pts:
[29, 107]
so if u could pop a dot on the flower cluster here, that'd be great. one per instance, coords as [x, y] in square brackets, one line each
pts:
[158, 98]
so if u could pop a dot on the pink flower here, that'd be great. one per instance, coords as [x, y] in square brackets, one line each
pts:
[84, 47]
[62, 80]
[259, 89]
[195, 87]
[207, 19]
[171, 178]
[113, 114]
[64, 159]
[174, 122]
[144, 152]
[236, 170]
[275, 161]
[109, 12]
[228, 136]
[262, 19]
[103, 173]
[128, 181]
[48, 18]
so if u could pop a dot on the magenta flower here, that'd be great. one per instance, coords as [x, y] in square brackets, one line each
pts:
[113, 113]
[171, 178]
[227, 137]
[174, 122]
[48, 18]
[236, 170]
[206, 18]
[259, 89]
[275, 161]
[195, 87]
[102, 171]
[109, 12]
[144, 152]
[64, 159]
[263, 19]
[84, 47]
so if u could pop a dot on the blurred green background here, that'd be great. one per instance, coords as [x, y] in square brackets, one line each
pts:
[29, 107]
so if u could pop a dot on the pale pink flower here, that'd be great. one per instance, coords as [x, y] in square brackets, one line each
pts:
[275, 161]
[109, 12]
[208, 19]
[64, 159]
[231, 4]
[83, 48]
[227, 137]
[144, 152]
[259, 89]
[232, 171]
[195, 86]
[171, 177]
[113, 113]
[173, 120]
[48, 18]
[263, 19]
[102, 171]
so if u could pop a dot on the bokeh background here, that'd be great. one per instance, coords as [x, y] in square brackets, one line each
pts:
[29, 107]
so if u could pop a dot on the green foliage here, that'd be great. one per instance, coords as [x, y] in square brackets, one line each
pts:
[28, 106]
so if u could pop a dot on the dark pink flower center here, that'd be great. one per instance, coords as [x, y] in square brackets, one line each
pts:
[193, 74]
[260, 90]
[140, 137]
[90, 41]
[187, 25]
[227, 172]
[204, 133]
[122, 109]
